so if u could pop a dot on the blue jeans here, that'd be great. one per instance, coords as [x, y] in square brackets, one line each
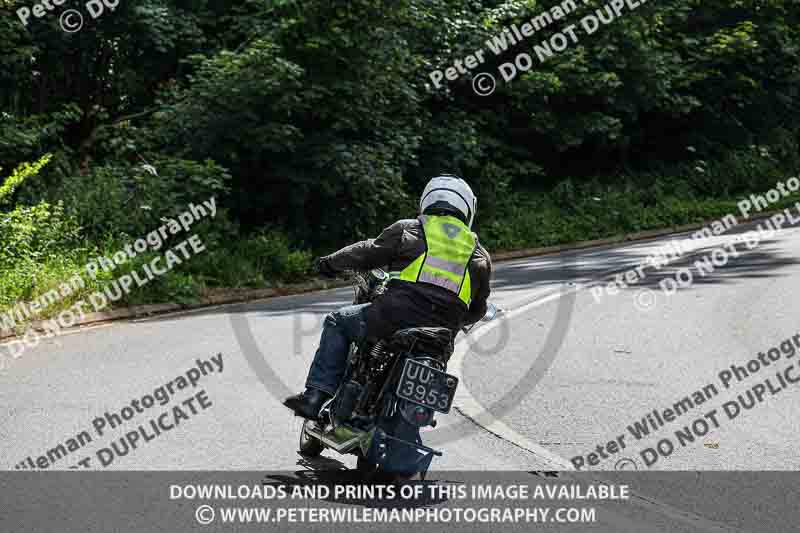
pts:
[341, 328]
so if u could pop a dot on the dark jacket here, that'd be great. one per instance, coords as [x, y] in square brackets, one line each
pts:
[405, 304]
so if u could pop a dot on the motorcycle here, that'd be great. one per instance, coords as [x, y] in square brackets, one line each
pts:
[391, 388]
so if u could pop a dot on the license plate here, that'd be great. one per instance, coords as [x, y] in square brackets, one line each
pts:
[426, 386]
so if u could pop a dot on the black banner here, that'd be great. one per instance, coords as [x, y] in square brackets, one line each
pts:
[313, 500]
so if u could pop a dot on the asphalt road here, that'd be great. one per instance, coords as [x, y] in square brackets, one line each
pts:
[563, 370]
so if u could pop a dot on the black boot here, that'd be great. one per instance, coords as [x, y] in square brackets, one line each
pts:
[307, 404]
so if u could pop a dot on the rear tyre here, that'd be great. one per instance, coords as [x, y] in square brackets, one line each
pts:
[310, 446]
[366, 468]
[372, 472]
[404, 477]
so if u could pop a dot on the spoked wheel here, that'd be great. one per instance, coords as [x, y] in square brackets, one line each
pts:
[310, 446]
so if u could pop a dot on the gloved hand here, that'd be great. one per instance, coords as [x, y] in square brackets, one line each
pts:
[324, 268]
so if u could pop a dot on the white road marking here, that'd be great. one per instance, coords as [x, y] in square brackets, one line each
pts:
[468, 406]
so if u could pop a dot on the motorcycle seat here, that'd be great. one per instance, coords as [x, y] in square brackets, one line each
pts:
[436, 342]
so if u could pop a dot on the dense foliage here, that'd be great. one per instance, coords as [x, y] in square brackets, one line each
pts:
[315, 123]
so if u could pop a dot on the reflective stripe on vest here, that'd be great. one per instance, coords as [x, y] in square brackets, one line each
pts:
[449, 246]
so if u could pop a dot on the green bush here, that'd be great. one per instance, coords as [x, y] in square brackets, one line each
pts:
[660, 198]
[36, 242]
[131, 200]
[257, 261]
[21, 173]
[36, 233]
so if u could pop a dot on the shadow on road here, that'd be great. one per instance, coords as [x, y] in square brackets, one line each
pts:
[349, 487]
[762, 261]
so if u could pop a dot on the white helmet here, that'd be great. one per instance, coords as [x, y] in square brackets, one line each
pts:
[450, 192]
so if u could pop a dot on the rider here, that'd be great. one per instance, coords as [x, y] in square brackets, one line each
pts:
[443, 282]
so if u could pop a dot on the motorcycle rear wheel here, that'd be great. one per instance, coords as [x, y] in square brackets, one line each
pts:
[310, 446]
[365, 467]
[372, 472]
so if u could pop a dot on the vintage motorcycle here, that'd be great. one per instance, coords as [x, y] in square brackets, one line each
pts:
[391, 388]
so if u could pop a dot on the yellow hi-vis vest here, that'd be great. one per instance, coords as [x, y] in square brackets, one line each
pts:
[449, 245]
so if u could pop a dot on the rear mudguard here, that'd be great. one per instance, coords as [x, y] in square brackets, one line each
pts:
[397, 447]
